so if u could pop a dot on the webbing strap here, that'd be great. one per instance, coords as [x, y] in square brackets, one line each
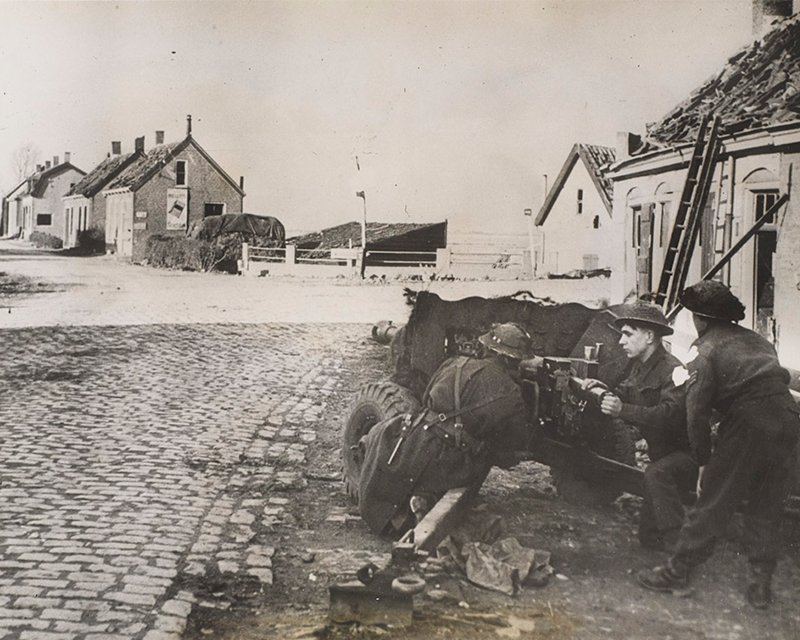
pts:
[458, 410]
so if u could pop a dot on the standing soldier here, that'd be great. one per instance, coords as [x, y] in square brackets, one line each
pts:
[735, 372]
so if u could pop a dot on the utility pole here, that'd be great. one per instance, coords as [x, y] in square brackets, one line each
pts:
[529, 215]
[362, 195]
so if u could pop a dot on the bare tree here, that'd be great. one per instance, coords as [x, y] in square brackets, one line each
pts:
[24, 159]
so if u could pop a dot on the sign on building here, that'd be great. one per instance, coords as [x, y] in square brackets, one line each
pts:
[177, 209]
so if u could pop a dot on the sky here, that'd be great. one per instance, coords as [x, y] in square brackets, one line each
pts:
[440, 109]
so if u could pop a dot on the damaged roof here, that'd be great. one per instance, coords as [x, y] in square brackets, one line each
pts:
[596, 159]
[147, 165]
[758, 87]
[101, 175]
[139, 171]
[349, 233]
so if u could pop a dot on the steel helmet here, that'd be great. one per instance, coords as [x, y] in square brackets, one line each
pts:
[508, 339]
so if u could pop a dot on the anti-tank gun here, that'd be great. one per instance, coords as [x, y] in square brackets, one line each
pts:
[558, 399]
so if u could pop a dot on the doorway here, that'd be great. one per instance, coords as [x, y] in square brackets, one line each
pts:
[763, 278]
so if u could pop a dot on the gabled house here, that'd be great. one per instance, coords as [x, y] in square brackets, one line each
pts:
[35, 203]
[575, 217]
[85, 206]
[166, 191]
[756, 97]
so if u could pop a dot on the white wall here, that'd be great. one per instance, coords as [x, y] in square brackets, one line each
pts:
[569, 236]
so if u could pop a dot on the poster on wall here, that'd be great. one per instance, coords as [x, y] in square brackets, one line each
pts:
[177, 209]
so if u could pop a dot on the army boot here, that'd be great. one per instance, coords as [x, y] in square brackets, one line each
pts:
[667, 578]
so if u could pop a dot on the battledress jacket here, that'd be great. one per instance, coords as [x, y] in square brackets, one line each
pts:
[429, 459]
[732, 365]
[654, 404]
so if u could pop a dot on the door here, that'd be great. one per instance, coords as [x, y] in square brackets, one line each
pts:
[763, 279]
[126, 227]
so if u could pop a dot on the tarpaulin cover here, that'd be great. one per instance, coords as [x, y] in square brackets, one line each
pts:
[244, 223]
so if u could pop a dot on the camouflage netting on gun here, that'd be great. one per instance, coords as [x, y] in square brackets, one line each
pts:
[438, 329]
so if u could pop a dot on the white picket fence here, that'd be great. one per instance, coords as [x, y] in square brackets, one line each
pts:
[473, 256]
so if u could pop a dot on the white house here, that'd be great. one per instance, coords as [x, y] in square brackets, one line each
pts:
[575, 218]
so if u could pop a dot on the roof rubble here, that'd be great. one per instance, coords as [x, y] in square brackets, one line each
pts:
[758, 87]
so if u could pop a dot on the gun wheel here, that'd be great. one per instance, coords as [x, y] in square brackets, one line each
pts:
[612, 439]
[374, 403]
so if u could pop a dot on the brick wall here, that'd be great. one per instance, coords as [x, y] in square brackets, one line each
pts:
[204, 184]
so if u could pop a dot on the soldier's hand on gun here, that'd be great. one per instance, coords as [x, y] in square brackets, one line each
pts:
[591, 383]
[611, 405]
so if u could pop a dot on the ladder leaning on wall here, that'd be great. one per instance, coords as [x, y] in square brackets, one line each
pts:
[687, 220]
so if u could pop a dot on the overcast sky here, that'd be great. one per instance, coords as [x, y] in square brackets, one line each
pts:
[455, 109]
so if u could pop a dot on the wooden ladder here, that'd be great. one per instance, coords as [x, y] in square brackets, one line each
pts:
[687, 220]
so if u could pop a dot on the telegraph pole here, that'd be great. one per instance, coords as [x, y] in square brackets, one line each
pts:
[362, 195]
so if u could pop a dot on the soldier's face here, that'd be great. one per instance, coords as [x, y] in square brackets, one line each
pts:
[634, 341]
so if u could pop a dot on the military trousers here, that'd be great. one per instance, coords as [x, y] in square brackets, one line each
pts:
[755, 459]
[669, 483]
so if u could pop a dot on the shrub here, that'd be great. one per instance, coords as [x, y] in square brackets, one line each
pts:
[45, 240]
[92, 240]
[180, 252]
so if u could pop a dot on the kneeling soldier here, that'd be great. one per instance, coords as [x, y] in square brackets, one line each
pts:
[651, 399]
[474, 417]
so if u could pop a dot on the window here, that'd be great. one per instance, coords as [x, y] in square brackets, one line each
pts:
[44, 219]
[763, 201]
[212, 209]
[596, 222]
[180, 172]
[580, 201]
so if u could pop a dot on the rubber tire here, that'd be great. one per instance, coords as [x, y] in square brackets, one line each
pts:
[374, 402]
[614, 440]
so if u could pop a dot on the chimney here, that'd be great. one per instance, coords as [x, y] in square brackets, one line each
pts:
[47, 164]
[627, 144]
[159, 137]
[67, 157]
[241, 182]
[55, 161]
[138, 144]
[116, 148]
[188, 125]
[766, 11]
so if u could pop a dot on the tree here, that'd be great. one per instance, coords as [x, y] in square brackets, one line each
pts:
[24, 160]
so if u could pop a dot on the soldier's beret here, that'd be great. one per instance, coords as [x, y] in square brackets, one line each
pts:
[712, 299]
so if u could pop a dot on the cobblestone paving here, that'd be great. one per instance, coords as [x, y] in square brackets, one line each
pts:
[137, 459]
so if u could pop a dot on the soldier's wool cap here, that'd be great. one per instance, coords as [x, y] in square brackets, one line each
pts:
[509, 339]
[712, 299]
[643, 314]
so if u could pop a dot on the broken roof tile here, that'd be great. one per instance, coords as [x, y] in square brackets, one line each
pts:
[758, 86]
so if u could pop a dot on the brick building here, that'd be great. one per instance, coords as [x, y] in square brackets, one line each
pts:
[166, 191]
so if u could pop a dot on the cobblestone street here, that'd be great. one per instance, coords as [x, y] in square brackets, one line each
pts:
[137, 458]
